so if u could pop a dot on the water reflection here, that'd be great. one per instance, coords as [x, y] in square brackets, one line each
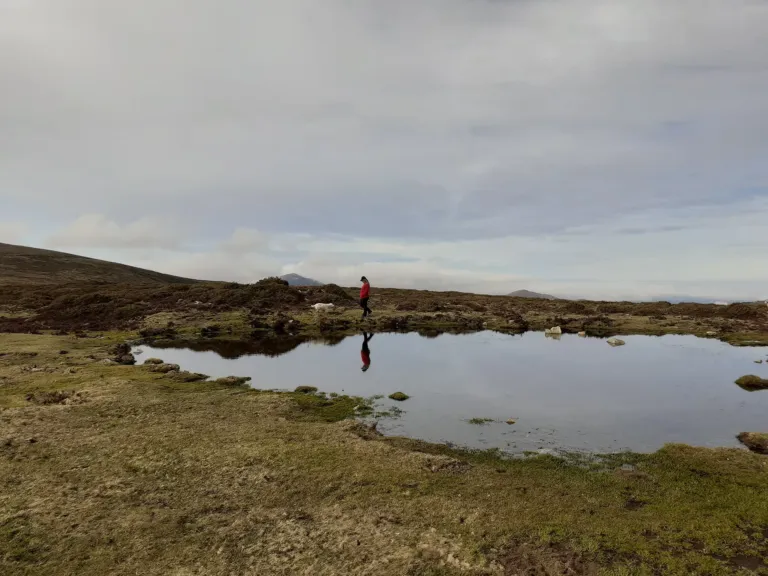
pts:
[365, 352]
[529, 392]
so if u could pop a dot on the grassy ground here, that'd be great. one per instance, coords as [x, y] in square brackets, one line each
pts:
[131, 472]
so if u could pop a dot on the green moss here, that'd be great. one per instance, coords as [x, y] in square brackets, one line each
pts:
[399, 396]
[480, 421]
[316, 407]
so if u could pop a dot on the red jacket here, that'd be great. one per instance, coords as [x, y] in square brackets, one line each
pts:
[365, 290]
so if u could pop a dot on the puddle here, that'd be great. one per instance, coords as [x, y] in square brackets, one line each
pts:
[576, 394]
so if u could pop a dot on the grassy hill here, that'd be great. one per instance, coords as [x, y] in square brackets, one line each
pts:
[23, 265]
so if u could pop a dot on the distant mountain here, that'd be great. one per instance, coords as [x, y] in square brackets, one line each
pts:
[529, 294]
[296, 280]
[24, 265]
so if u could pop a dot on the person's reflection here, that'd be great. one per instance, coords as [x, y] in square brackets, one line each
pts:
[365, 351]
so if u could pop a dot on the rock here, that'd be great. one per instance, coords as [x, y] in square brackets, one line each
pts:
[126, 360]
[164, 368]
[711, 333]
[511, 421]
[399, 396]
[553, 331]
[153, 361]
[752, 383]
[210, 331]
[233, 380]
[320, 306]
[582, 334]
[615, 342]
[758, 361]
[755, 441]
[108, 362]
[190, 376]
[306, 389]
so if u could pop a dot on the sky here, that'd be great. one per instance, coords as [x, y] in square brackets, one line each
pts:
[602, 149]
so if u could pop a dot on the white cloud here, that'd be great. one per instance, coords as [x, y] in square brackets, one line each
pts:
[575, 145]
[96, 230]
[246, 240]
[12, 232]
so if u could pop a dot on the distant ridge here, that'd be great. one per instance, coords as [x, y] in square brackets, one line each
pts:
[297, 280]
[25, 265]
[529, 294]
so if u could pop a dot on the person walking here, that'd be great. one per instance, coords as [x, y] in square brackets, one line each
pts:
[365, 293]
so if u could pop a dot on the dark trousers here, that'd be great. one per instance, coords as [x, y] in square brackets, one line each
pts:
[364, 306]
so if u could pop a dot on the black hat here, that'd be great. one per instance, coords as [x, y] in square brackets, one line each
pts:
[363, 279]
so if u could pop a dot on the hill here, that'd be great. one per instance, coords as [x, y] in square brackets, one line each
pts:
[296, 280]
[529, 294]
[24, 265]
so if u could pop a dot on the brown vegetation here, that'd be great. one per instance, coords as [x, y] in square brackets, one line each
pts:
[272, 305]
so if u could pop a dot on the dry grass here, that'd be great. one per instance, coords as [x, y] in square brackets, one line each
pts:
[150, 475]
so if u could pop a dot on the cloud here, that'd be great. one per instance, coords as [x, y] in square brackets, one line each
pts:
[245, 240]
[12, 232]
[471, 137]
[96, 230]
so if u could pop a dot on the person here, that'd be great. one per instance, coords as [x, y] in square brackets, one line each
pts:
[365, 293]
[365, 352]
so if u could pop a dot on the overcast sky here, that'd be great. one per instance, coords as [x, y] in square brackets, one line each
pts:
[614, 149]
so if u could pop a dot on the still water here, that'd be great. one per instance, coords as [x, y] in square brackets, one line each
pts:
[568, 394]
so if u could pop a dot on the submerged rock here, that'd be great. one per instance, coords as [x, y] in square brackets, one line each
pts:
[615, 342]
[399, 396]
[582, 334]
[752, 383]
[755, 441]
[758, 361]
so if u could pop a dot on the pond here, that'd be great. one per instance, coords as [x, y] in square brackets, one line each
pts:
[574, 394]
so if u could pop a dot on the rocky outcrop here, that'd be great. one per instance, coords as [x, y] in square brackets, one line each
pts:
[755, 441]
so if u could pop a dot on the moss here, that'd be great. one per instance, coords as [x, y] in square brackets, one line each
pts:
[480, 421]
[752, 383]
[399, 396]
[316, 407]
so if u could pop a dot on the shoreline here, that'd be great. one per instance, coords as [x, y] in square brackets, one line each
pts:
[116, 469]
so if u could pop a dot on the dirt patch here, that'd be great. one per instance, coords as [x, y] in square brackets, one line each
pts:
[57, 397]
[525, 559]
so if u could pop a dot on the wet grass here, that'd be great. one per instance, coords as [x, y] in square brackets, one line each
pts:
[151, 475]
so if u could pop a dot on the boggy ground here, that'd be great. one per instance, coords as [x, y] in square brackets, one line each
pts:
[271, 306]
[108, 469]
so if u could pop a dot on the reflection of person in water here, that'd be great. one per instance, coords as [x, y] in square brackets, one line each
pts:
[365, 352]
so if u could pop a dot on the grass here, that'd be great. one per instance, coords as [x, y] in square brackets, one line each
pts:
[146, 474]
